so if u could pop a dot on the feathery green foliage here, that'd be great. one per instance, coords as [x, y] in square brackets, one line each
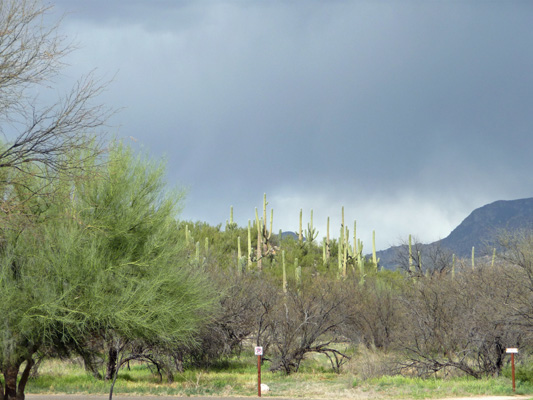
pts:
[100, 256]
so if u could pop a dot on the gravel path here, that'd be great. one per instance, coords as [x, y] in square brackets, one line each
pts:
[118, 397]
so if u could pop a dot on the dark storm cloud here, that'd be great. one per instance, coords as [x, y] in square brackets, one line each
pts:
[403, 112]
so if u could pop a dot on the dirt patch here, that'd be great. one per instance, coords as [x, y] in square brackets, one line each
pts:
[122, 397]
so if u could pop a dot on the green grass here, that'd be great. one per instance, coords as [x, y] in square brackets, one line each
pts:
[417, 388]
[239, 378]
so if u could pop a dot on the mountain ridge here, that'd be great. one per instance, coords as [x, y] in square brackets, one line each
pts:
[480, 229]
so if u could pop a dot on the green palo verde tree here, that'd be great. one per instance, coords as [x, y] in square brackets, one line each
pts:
[131, 221]
[99, 259]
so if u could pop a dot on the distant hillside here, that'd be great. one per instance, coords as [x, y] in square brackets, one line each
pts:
[478, 230]
[287, 234]
[481, 226]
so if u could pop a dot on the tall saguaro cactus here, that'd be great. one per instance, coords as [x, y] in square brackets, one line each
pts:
[230, 224]
[263, 234]
[374, 258]
[259, 252]
[343, 247]
[361, 261]
[340, 252]
[311, 234]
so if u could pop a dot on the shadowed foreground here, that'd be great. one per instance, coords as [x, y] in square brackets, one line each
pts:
[118, 397]
[105, 397]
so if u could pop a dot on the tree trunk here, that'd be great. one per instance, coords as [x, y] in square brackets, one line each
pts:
[24, 378]
[10, 377]
[111, 363]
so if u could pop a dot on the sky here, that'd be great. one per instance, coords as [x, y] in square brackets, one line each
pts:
[409, 114]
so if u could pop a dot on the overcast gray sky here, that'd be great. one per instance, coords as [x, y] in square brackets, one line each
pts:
[409, 114]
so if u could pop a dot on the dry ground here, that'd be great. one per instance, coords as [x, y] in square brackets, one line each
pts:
[117, 397]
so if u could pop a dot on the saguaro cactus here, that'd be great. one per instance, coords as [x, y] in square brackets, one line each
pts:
[374, 258]
[345, 252]
[259, 252]
[239, 256]
[360, 258]
[311, 231]
[340, 252]
[230, 224]
[263, 234]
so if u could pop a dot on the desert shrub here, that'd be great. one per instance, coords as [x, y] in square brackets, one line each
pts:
[458, 323]
[308, 319]
[234, 322]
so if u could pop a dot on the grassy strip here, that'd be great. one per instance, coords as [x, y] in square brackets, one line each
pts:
[239, 379]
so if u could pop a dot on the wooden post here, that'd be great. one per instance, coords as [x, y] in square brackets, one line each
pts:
[512, 369]
[259, 353]
[512, 351]
[259, 376]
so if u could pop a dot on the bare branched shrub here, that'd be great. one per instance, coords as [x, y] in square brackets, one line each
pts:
[36, 130]
[459, 323]
[424, 259]
[240, 308]
[308, 320]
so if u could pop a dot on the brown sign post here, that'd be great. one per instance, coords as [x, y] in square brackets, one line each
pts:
[512, 351]
[259, 353]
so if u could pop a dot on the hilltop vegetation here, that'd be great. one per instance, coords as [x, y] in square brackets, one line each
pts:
[454, 319]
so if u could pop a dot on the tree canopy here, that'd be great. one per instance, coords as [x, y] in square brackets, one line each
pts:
[100, 257]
